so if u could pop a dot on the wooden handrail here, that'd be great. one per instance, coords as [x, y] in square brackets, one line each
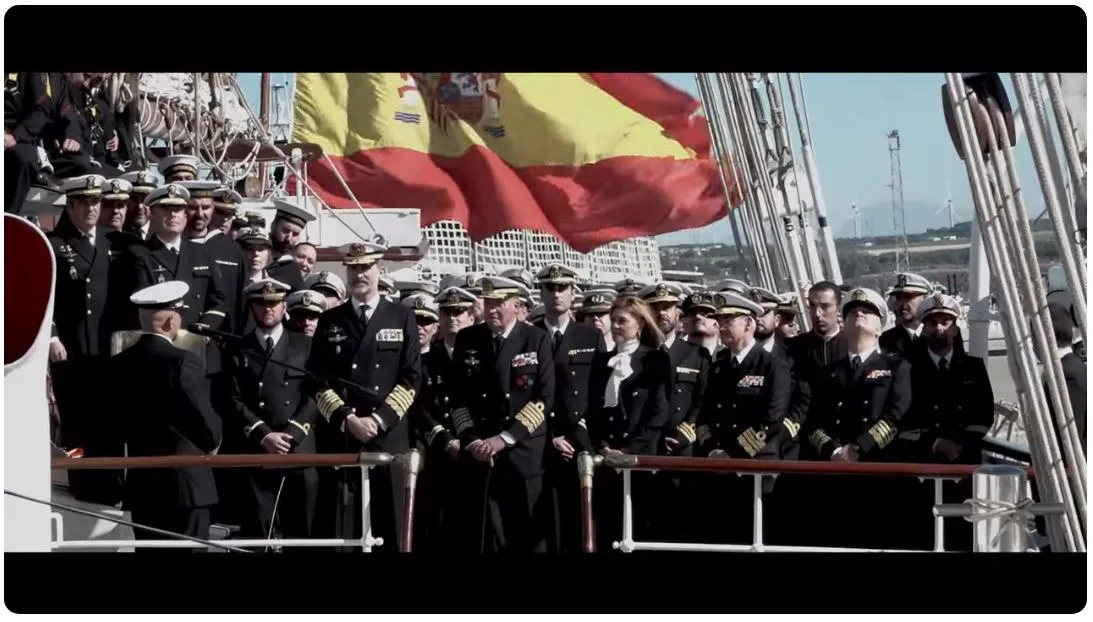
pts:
[731, 465]
[231, 461]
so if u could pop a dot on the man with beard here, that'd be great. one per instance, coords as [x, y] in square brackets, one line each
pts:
[285, 231]
[503, 375]
[743, 416]
[866, 395]
[304, 308]
[86, 311]
[814, 351]
[699, 310]
[136, 215]
[595, 311]
[471, 282]
[328, 284]
[202, 220]
[690, 365]
[573, 348]
[909, 292]
[177, 168]
[372, 343]
[273, 411]
[786, 327]
[168, 256]
[115, 202]
[953, 409]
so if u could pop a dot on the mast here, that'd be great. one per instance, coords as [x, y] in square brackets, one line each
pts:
[263, 116]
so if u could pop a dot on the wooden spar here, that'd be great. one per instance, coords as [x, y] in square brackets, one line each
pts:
[263, 115]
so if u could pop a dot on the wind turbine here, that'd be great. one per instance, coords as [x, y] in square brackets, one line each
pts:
[855, 215]
[949, 206]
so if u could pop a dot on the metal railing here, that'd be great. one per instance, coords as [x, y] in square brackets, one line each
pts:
[410, 461]
[757, 469]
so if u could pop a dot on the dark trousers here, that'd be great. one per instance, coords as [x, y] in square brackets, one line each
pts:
[86, 425]
[516, 517]
[20, 170]
[67, 165]
[448, 510]
[563, 500]
[338, 514]
[192, 522]
[282, 503]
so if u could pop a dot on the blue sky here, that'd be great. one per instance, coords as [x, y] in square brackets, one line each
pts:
[850, 115]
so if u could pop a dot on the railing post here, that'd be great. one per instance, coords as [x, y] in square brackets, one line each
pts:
[996, 487]
[586, 466]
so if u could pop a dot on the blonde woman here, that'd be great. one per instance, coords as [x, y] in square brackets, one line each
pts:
[628, 406]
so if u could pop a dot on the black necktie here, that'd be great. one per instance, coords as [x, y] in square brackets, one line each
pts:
[557, 340]
[855, 363]
[174, 251]
[364, 316]
[269, 346]
[498, 341]
[733, 363]
[943, 365]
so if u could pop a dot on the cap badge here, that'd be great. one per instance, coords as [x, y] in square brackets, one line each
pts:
[115, 186]
[662, 291]
[860, 295]
[91, 182]
[419, 303]
[901, 280]
[555, 272]
[308, 299]
[174, 191]
[756, 295]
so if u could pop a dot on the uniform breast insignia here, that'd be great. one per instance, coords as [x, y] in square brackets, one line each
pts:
[527, 358]
[581, 351]
[336, 336]
[159, 274]
[389, 335]
[525, 381]
[686, 370]
[877, 374]
[69, 256]
[750, 381]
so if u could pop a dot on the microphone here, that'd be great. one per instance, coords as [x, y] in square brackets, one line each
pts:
[205, 331]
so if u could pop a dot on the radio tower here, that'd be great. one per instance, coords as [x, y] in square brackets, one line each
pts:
[899, 222]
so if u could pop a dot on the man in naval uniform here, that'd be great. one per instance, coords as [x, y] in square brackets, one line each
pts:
[201, 217]
[115, 202]
[165, 411]
[136, 215]
[574, 347]
[226, 204]
[908, 294]
[526, 279]
[446, 521]
[179, 168]
[272, 411]
[856, 413]
[595, 310]
[628, 287]
[304, 308]
[284, 232]
[328, 284]
[471, 282]
[85, 313]
[699, 313]
[372, 343]
[766, 327]
[168, 256]
[743, 415]
[690, 364]
[503, 388]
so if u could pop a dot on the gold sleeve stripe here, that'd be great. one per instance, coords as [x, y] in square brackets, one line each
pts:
[531, 416]
[327, 402]
[882, 433]
[752, 441]
[978, 429]
[247, 430]
[819, 438]
[703, 433]
[437, 429]
[400, 399]
[214, 312]
[306, 427]
[461, 419]
[792, 426]
[687, 430]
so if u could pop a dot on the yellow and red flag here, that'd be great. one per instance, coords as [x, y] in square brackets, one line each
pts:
[591, 158]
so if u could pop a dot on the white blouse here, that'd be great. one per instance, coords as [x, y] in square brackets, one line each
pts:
[621, 370]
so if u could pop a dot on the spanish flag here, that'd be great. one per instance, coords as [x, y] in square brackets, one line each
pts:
[590, 158]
